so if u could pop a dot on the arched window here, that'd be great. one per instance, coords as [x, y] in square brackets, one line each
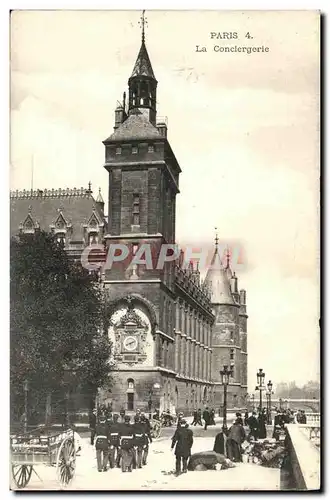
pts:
[130, 384]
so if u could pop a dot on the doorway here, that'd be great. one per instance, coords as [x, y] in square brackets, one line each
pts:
[130, 401]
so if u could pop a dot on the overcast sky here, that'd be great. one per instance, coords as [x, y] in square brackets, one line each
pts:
[244, 129]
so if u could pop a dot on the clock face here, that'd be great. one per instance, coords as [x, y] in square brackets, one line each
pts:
[130, 343]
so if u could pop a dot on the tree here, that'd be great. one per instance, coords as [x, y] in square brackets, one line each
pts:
[57, 311]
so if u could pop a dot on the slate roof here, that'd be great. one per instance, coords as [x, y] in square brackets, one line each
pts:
[218, 281]
[76, 206]
[136, 126]
[143, 66]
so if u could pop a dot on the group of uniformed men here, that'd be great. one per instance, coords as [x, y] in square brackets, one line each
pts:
[118, 442]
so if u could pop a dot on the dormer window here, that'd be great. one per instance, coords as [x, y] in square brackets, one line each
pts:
[150, 149]
[60, 238]
[134, 150]
[118, 151]
[93, 239]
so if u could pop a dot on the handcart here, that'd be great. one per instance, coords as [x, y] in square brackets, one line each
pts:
[43, 446]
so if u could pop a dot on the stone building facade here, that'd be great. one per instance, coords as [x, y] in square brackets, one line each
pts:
[171, 332]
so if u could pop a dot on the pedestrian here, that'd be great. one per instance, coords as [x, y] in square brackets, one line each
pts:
[138, 442]
[246, 416]
[146, 429]
[252, 422]
[102, 443]
[92, 424]
[183, 441]
[239, 418]
[206, 417]
[122, 415]
[262, 432]
[180, 418]
[236, 436]
[114, 442]
[199, 417]
[195, 421]
[303, 417]
[212, 417]
[219, 443]
[127, 446]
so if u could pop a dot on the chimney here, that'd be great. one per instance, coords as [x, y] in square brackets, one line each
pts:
[162, 129]
[119, 115]
[242, 295]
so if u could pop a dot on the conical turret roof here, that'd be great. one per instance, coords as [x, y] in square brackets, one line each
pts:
[218, 281]
[143, 66]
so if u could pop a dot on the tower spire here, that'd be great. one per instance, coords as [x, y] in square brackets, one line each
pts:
[228, 259]
[216, 239]
[143, 23]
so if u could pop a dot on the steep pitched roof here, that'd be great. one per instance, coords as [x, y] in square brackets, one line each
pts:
[143, 66]
[74, 206]
[137, 126]
[218, 281]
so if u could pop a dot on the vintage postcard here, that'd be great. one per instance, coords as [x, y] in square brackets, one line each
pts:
[164, 252]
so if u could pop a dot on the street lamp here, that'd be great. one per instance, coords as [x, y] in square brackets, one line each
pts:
[225, 374]
[155, 386]
[269, 402]
[260, 386]
[26, 390]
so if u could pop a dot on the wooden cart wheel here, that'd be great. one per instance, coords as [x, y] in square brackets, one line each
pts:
[156, 428]
[66, 462]
[21, 475]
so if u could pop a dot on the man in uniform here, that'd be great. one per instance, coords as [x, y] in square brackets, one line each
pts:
[145, 425]
[102, 443]
[183, 441]
[138, 442]
[127, 445]
[92, 425]
[114, 441]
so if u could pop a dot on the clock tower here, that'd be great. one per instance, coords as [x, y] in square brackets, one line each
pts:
[143, 184]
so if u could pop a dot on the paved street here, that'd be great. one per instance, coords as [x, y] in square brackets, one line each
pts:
[158, 474]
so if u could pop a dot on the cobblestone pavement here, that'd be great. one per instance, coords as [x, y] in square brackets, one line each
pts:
[158, 473]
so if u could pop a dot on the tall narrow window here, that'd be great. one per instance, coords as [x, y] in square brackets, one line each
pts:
[136, 210]
[232, 354]
[61, 238]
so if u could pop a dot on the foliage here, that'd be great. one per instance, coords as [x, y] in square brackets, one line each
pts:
[56, 313]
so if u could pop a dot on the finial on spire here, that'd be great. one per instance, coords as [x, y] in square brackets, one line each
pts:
[228, 258]
[216, 238]
[143, 23]
[89, 186]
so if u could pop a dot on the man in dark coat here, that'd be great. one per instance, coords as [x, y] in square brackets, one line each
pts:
[199, 417]
[114, 441]
[212, 417]
[262, 432]
[195, 420]
[206, 417]
[92, 425]
[102, 443]
[183, 441]
[219, 443]
[127, 445]
[252, 422]
[303, 417]
[239, 418]
[236, 436]
[146, 429]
